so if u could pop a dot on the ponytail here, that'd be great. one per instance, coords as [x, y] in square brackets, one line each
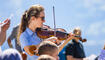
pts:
[23, 25]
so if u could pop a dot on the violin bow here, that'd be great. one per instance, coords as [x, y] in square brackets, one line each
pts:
[54, 21]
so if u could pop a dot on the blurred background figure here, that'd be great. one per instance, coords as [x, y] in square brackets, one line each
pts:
[62, 52]
[9, 54]
[48, 48]
[13, 36]
[74, 50]
[102, 55]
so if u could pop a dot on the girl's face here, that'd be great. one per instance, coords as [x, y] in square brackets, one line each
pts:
[38, 22]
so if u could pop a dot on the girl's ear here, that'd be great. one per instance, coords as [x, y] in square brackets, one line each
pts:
[33, 18]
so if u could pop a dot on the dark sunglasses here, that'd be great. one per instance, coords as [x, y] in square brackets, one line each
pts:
[43, 18]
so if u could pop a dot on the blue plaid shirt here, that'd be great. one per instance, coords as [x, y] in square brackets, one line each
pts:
[29, 38]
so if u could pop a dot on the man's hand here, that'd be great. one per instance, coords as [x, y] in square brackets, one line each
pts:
[54, 40]
[5, 25]
[72, 36]
[30, 49]
[3, 28]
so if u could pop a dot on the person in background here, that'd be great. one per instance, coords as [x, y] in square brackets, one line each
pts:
[74, 50]
[9, 54]
[102, 54]
[13, 36]
[48, 48]
[62, 52]
[46, 57]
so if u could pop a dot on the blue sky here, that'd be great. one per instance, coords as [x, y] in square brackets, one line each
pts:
[86, 14]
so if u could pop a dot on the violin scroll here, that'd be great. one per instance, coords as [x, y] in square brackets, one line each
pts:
[80, 38]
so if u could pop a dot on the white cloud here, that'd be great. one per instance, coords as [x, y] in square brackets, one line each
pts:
[96, 28]
[103, 30]
[16, 3]
[91, 57]
[19, 12]
[2, 18]
[0, 15]
[94, 42]
[92, 3]
[90, 43]
[102, 7]
[95, 4]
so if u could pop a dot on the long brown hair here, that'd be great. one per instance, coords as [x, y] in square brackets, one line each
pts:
[34, 10]
[104, 47]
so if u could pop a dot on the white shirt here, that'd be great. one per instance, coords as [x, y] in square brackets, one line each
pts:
[0, 50]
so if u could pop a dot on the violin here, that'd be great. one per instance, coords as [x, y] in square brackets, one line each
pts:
[44, 33]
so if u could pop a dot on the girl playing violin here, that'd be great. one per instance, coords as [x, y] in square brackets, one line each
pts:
[32, 19]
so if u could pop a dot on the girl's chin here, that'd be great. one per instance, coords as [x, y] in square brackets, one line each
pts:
[39, 27]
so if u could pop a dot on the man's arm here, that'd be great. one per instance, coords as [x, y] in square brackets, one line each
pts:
[12, 36]
[69, 51]
[2, 37]
[66, 41]
[69, 57]
[9, 43]
[3, 28]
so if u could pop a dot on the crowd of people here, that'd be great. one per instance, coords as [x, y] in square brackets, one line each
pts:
[36, 41]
